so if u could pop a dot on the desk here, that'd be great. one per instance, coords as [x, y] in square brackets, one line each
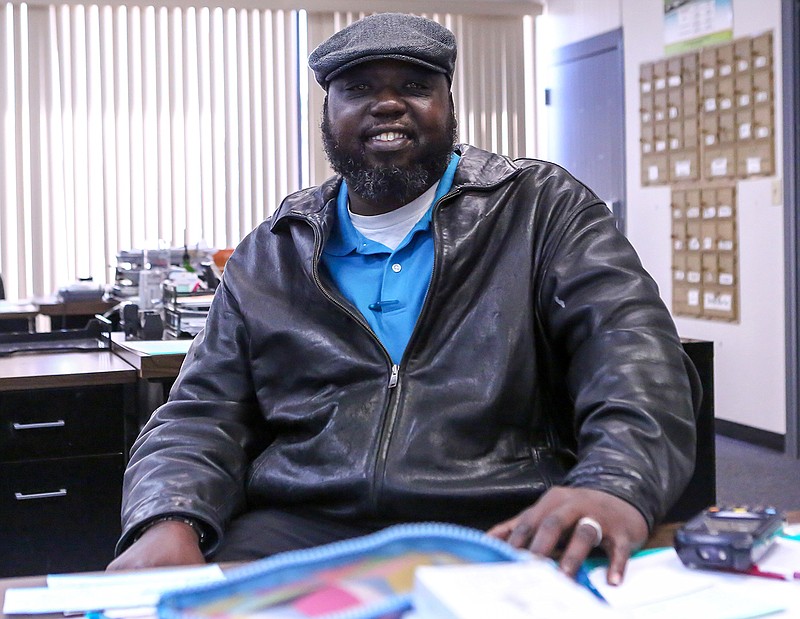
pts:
[662, 537]
[160, 359]
[157, 363]
[71, 314]
[15, 314]
[62, 455]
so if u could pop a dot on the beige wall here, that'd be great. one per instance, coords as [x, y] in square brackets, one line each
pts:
[749, 356]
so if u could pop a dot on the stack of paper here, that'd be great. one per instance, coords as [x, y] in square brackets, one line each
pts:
[525, 590]
[81, 593]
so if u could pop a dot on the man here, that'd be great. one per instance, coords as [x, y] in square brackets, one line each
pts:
[438, 333]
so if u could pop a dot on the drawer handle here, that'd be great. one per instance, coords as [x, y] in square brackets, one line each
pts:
[39, 425]
[40, 495]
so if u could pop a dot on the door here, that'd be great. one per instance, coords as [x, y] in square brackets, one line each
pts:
[586, 116]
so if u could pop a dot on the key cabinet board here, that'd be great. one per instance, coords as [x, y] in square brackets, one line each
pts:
[62, 457]
[707, 120]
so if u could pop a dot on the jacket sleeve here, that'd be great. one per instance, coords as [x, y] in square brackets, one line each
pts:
[633, 391]
[191, 457]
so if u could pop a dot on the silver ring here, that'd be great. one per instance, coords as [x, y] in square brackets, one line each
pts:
[598, 530]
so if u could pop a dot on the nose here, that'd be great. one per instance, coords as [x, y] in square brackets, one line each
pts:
[388, 102]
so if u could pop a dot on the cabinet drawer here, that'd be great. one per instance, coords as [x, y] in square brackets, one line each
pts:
[51, 423]
[59, 515]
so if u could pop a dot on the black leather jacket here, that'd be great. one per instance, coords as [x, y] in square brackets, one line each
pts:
[542, 345]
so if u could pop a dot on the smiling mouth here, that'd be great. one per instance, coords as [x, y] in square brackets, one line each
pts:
[389, 136]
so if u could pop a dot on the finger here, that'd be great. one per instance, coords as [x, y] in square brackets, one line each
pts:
[551, 529]
[618, 559]
[581, 543]
[521, 533]
[502, 530]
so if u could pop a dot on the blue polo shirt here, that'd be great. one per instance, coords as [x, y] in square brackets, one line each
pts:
[388, 287]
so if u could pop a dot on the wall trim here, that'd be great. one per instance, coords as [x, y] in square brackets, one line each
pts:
[749, 434]
[791, 180]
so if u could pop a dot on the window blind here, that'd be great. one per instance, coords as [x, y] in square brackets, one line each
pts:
[126, 125]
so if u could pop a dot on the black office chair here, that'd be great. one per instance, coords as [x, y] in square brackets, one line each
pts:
[702, 489]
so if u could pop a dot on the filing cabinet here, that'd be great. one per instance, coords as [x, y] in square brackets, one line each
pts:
[62, 457]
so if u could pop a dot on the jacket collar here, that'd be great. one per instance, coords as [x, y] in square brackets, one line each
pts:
[477, 169]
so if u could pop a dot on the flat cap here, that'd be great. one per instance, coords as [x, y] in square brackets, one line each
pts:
[396, 36]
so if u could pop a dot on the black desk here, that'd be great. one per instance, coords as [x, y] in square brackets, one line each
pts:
[62, 455]
[71, 314]
[18, 316]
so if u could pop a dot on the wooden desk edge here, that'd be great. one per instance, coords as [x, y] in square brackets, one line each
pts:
[662, 537]
[149, 366]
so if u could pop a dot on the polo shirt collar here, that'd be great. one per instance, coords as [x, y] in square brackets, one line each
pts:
[345, 239]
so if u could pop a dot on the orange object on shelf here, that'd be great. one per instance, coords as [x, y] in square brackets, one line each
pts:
[221, 257]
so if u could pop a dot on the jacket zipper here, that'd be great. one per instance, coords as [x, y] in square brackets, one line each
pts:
[394, 376]
[390, 412]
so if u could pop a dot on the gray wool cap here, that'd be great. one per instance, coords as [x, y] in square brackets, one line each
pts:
[396, 36]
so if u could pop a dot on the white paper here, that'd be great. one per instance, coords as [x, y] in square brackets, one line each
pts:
[753, 165]
[659, 586]
[719, 166]
[744, 131]
[91, 592]
[722, 302]
[159, 347]
[525, 590]
[782, 558]
[683, 168]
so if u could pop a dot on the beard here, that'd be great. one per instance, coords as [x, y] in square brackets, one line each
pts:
[390, 183]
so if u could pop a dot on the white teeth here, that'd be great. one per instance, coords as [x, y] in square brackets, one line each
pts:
[389, 136]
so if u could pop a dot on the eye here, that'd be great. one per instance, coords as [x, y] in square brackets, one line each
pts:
[416, 86]
[357, 87]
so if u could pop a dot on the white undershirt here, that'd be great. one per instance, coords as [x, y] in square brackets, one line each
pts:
[391, 228]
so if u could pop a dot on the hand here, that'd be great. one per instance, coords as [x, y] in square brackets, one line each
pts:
[554, 517]
[164, 544]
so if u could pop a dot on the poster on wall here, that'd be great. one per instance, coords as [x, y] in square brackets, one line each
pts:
[691, 24]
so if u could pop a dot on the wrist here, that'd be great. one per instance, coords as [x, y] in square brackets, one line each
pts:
[195, 525]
